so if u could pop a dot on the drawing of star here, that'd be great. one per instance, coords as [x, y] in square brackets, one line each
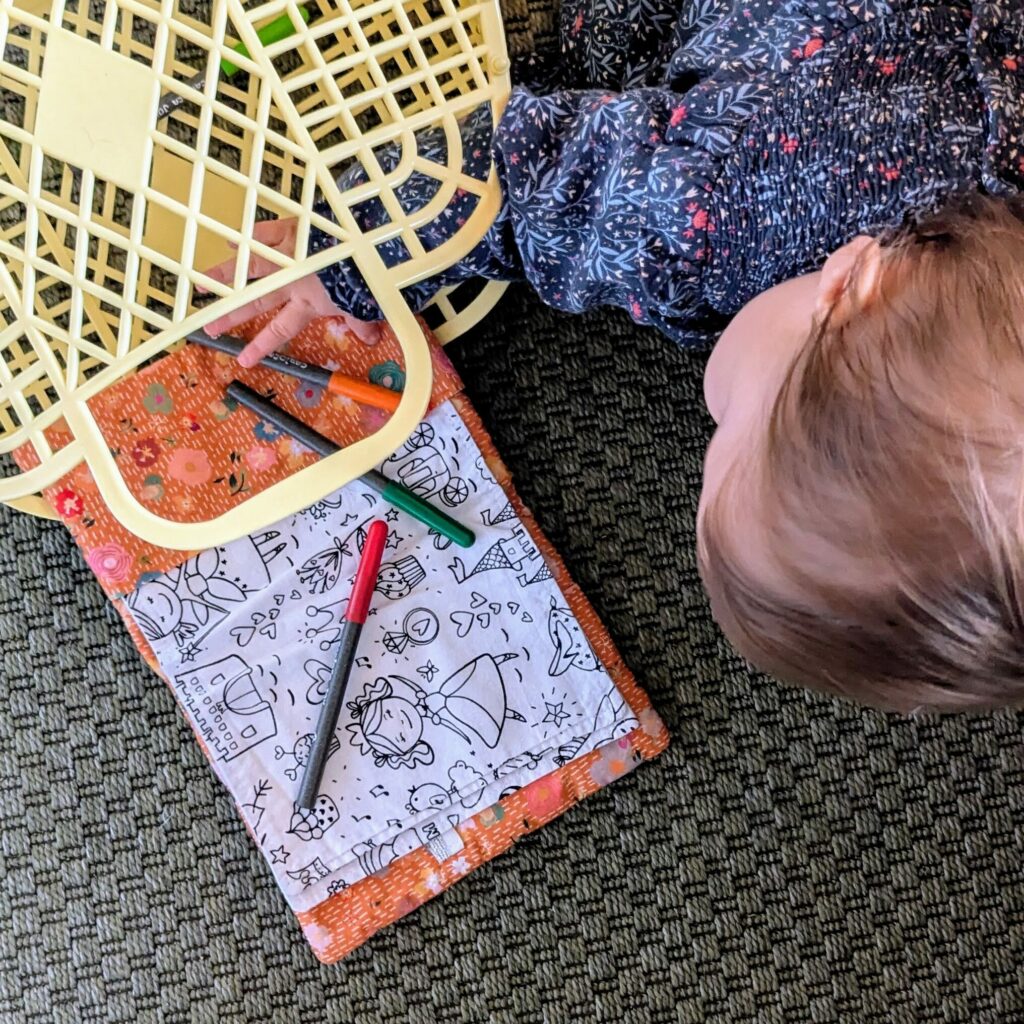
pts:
[391, 515]
[189, 653]
[279, 856]
[428, 671]
[555, 713]
[392, 541]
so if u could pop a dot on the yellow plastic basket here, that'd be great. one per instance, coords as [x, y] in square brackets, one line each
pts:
[108, 217]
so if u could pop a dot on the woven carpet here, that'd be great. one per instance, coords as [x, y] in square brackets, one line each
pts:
[789, 859]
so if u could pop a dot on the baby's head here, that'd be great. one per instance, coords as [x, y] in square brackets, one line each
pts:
[861, 527]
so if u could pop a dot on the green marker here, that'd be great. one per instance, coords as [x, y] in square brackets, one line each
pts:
[392, 492]
[273, 32]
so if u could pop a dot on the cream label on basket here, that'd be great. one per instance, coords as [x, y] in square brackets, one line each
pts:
[472, 677]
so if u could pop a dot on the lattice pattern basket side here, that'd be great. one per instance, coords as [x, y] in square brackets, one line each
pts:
[110, 213]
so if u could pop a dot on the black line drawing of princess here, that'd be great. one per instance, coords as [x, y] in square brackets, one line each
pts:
[390, 714]
[388, 727]
[516, 552]
[186, 603]
[472, 701]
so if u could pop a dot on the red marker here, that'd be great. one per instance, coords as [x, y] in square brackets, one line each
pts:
[355, 616]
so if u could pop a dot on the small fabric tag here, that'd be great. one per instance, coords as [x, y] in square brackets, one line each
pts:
[445, 845]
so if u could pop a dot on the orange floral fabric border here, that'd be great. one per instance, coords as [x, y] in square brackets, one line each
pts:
[189, 454]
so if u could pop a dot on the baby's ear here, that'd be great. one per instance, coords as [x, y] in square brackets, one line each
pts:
[850, 280]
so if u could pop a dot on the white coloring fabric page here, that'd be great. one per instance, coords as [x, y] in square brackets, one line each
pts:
[473, 677]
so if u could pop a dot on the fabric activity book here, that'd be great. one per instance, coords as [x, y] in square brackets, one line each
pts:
[486, 698]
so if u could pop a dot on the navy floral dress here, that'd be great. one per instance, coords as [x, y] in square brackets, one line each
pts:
[680, 156]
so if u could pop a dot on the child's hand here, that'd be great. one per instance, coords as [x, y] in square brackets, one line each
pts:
[301, 301]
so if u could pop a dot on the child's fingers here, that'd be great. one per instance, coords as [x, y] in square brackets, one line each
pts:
[227, 323]
[258, 267]
[288, 322]
[278, 234]
[222, 272]
[274, 232]
[366, 331]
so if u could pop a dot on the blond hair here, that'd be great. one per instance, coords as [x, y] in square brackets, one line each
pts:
[890, 483]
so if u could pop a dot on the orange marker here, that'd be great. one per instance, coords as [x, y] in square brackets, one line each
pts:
[336, 382]
[361, 391]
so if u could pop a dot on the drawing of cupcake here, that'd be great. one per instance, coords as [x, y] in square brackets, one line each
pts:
[398, 579]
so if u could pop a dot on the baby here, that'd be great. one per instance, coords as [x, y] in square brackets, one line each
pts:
[697, 162]
[861, 526]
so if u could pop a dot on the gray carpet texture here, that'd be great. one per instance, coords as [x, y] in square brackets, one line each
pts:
[789, 859]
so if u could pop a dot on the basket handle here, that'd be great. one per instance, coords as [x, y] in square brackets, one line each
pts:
[32, 505]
